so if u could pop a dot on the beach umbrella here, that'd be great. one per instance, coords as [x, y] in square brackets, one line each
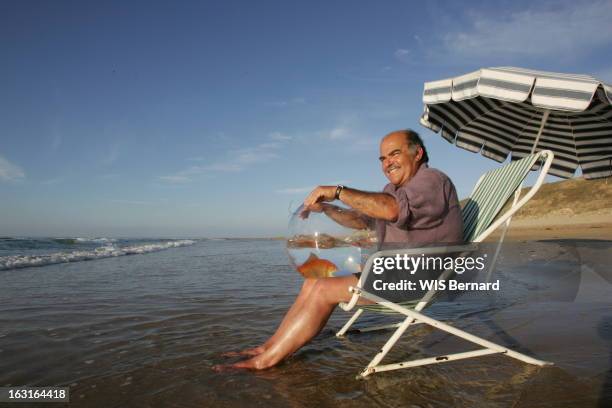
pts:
[507, 110]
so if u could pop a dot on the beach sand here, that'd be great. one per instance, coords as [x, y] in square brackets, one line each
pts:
[586, 226]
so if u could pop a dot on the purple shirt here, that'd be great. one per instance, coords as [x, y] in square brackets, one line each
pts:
[429, 211]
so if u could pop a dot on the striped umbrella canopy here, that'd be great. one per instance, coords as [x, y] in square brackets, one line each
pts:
[497, 111]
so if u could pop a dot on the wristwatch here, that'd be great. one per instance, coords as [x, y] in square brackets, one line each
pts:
[338, 191]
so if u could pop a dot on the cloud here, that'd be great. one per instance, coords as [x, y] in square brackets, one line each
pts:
[402, 54]
[349, 133]
[562, 30]
[279, 136]
[10, 171]
[345, 134]
[240, 159]
[244, 154]
[278, 104]
[344, 128]
[337, 133]
[237, 160]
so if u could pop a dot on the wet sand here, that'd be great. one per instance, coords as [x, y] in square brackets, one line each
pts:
[145, 331]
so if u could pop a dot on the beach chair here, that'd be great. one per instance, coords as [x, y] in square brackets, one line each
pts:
[491, 192]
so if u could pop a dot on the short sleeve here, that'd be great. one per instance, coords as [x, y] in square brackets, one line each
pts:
[422, 201]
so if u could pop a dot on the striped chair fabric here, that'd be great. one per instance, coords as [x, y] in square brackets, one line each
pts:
[490, 195]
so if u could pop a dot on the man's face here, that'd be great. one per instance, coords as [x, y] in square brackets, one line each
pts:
[398, 163]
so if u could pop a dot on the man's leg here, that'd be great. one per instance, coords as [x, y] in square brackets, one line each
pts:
[303, 323]
[290, 315]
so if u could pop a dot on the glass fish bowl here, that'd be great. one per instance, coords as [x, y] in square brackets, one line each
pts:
[318, 247]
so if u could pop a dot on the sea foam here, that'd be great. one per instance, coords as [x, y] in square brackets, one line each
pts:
[108, 251]
[96, 240]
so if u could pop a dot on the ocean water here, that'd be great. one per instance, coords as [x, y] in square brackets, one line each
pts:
[141, 322]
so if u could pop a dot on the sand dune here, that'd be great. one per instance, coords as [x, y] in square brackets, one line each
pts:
[575, 208]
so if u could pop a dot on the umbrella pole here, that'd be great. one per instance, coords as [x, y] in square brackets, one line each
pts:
[542, 124]
[517, 194]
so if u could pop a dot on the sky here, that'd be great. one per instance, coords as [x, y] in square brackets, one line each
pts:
[212, 119]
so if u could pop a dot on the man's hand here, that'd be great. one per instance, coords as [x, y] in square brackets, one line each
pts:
[319, 195]
[317, 207]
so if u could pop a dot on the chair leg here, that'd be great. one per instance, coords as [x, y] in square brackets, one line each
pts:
[504, 230]
[434, 360]
[376, 328]
[350, 322]
[412, 316]
[388, 346]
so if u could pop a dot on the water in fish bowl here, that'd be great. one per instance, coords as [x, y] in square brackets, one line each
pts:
[318, 247]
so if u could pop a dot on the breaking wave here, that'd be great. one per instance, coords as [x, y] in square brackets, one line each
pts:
[108, 251]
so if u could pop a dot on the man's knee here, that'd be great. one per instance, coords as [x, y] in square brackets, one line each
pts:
[309, 283]
[326, 290]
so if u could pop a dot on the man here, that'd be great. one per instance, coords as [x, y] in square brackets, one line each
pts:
[419, 205]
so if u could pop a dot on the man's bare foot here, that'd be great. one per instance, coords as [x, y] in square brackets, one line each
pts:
[254, 363]
[255, 351]
[260, 362]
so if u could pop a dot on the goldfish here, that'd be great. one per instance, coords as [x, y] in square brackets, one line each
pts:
[315, 267]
